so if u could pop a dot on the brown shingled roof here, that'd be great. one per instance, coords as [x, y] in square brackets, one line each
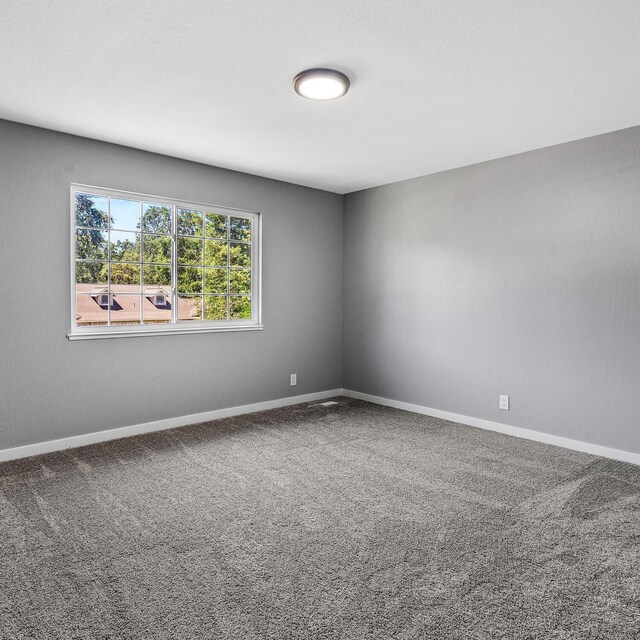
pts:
[125, 307]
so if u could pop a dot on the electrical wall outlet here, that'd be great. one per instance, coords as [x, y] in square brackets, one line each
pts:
[504, 403]
[294, 379]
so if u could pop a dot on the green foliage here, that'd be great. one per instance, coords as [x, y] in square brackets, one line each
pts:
[124, 273]
[240, 255]
[190, 222]
[189, 280]
[156, 219]
[240, 229]
[239, 307]
[125, 250]
[189, 251]
[91, 244]
[157, 275]
[215, 225]
[215, 281]
[215, 253]
[90, 215]
[157, 249]
[215, 308]
[240, 281]
[91, 273]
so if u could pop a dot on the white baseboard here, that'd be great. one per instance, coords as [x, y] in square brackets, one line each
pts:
[518, 432]
[158, 425]
[181, 421]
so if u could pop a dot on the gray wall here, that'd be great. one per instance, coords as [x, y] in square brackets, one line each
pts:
[518, 276]
[52, 388]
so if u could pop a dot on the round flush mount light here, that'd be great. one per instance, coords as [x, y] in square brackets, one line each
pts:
[321, 84]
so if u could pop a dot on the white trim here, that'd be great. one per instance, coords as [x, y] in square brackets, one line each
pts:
[164, 331]
[156, 199]
[158, 425]
[518, 432]
[181, 421]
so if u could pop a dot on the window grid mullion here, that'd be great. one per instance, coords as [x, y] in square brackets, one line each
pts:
[174, 266]
[202, 245]
[110, 299]
[142, 297]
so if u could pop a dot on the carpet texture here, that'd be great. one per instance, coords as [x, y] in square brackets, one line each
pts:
[350, 522]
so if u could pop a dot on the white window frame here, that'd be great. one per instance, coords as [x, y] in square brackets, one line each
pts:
[177, 326]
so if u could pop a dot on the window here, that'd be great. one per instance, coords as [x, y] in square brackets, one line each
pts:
[146, 265]
[101, 297]
[160, 299]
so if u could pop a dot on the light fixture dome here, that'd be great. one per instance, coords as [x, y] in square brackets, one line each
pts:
[321, 84]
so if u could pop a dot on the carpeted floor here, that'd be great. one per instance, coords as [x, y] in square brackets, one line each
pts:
[351, 522]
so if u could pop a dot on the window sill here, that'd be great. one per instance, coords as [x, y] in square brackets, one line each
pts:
[129, 333]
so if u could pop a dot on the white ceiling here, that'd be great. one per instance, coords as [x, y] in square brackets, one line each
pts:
[436, 84]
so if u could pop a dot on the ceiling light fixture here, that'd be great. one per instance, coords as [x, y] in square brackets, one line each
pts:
[321, 84]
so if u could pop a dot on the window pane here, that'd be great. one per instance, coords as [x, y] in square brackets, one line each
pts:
[189, 251]
[125, 277]
[92, 274]
[239, 307]
[89, 311]
[125, 214]
[240, 229]
[189, 222]
[91, 244]
[216, 225]
[92, 211]
[215, 307]
[156, 306]
[156, 249]
[215, 253]
[189, 280]
[215, 281]
[156, 218]
[125, 309]
[240, 255]
[125, 246]
[92, 293]
[158, 276]
[240, 281]
[190, 308]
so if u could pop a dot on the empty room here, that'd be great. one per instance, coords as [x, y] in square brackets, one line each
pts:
[320, 320]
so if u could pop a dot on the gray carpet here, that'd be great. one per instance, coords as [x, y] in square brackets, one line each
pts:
[350, 522]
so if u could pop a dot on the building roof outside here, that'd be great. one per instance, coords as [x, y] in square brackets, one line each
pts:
[126, 306]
